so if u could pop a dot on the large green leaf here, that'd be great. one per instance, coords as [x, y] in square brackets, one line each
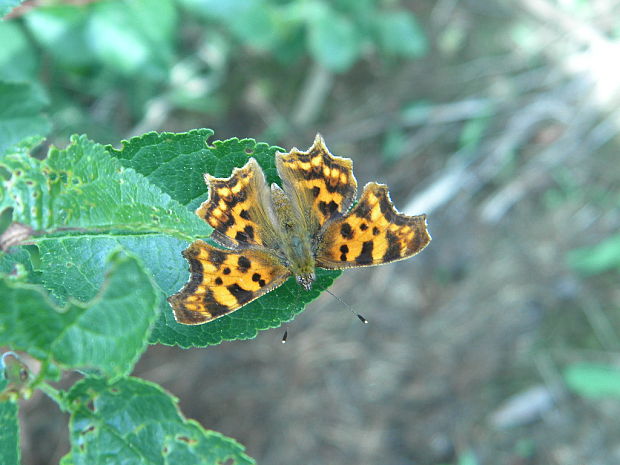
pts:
[108, 205]
[108, 333]
[176, 163]
[135, 422]
[20, 113]
[81, 190]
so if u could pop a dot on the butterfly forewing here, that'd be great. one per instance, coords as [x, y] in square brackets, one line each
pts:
[238, 208]
[322, 185]
[372, 233]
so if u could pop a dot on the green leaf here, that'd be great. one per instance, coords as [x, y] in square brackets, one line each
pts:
[20, 114]
[18, 60]
[136, 422]
[333, 40]
[7, 5]
[593, 380]
[599, 258]
[176, 163]
[9, 433]
[9, 424]
[400, 34]
[81, 190]
[133, 37]
[108, 333]
[61, 31]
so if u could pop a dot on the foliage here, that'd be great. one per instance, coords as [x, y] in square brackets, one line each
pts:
[124, 56]
[107, 228]
[593, 380]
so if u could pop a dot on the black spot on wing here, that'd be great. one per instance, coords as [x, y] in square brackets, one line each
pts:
[393, 251]
[218, 281]
[249, 231]
[344, 250]
[244, 264]
[316, 190]
[346, 231]
[226, 270]
[244, 214]
[242, 295]
[362, 210]
[363, 227]
[213, 306]
[216, 257]
[365, 256]
[328, 209]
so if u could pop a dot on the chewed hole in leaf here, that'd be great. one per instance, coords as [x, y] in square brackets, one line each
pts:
[75, 181]
[90, 405]
[165, 451]
[63, 177]
[90, 429]
[249, 150]
[114, 390]
[186, 439]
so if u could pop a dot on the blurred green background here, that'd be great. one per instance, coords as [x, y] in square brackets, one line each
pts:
[500, 343]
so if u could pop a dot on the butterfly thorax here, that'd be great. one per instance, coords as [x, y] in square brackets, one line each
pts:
[295, 245]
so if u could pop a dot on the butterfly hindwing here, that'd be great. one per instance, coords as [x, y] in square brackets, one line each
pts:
[222, 281]
[237, 208]
[321, 185]
[372, 233]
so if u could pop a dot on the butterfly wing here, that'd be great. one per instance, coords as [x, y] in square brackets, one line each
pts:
[372, 233]
[222, 281]
[321, 185]
[238, 208]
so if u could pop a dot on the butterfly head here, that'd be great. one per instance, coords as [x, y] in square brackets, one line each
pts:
[305, 280]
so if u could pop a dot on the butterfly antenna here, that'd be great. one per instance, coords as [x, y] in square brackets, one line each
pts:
[361, 318]
[285, 335]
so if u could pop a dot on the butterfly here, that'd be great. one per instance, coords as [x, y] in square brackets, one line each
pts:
[269, 233]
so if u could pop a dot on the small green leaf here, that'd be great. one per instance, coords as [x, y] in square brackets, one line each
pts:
[133, 37]
[333, 40]
[20, 114]
[599, 258]
[400, 34]
[593, 380]
[136, 422]
[108, 333]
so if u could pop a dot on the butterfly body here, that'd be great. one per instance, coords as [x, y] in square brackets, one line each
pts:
[295, 247]
[271, 233]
